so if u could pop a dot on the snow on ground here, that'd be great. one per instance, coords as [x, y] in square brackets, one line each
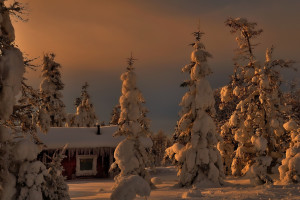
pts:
[235, 188]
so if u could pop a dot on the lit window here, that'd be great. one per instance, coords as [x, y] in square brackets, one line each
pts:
[86, 165]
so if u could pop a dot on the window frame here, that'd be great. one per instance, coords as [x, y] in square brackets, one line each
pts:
[86, 172]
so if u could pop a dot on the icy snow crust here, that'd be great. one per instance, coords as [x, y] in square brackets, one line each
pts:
[83, 137]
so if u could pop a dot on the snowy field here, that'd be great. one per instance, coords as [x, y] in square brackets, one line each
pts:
[234, 189]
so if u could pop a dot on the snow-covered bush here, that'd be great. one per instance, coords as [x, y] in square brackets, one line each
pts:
[290, 168]
[50, 88]
[131, 156]
[194, 149]
[129, 186]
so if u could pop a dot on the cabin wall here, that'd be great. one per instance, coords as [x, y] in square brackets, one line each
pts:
[104, 160]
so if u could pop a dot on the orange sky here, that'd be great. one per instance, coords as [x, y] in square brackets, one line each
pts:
[92, 38]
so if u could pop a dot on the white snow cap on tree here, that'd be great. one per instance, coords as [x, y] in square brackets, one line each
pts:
[194, 151]
[131, 156]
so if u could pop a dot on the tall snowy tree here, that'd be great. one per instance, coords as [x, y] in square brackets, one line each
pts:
[50, 88]
[257, 122]
[194, 150]
[85, 115]
[21, 175]
[14, 154]
[131, 156]
[11, 75]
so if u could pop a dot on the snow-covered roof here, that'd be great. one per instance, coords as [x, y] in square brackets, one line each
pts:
[83, 137]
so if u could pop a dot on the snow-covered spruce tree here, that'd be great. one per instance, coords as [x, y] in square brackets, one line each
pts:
[235, 91]
[257, 122]
[50, 88]
[195, 147]
[290, 168]
[85, 115]
[115, 115]
[131, 156]
[55, 186]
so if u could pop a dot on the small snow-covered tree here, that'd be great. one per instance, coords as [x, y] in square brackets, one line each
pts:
[55, 186]
[115, 115]
[160, 143]
[85, 115]
[131, 156]
[50, 88]
[195, 147]
[290, 168]
[257, 122]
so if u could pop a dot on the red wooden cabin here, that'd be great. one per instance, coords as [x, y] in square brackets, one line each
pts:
[90, 150]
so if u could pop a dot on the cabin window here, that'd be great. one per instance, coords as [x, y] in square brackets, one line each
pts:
[86, 165]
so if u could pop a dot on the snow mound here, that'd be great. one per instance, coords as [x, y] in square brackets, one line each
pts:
[193, 193]
[156, 180]
[129, 187]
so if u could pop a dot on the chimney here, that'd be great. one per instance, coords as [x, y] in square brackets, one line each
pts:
[98, 129]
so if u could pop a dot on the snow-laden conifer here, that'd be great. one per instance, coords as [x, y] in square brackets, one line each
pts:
[85, 115]
[194, 150]
[257, 123]
[55, 186]
[115, 115]
[50, 88]
[131, 156]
